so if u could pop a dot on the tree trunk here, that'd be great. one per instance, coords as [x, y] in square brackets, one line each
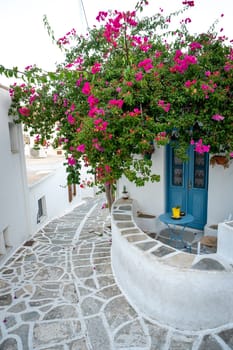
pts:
[109, 195]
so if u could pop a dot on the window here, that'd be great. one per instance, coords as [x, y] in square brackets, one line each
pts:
[4, 241]
[41, 209]
[14, 141]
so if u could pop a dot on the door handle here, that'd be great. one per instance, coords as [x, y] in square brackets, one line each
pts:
[189, 184]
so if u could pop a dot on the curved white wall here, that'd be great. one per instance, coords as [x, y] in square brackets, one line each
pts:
[168, 288]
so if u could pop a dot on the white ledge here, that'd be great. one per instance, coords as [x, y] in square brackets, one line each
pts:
[165, 284]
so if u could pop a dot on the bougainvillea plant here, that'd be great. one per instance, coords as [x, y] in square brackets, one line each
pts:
[131, 82]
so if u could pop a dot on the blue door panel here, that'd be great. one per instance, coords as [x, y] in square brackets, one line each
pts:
[177, 198]
[197, 207]
[187, 185]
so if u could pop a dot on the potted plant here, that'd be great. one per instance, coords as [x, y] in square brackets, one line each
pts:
[125, 193]
[176, 212]
[148, 153]
[219, 160]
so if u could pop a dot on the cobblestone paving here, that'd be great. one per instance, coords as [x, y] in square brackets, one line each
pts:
[58, 292]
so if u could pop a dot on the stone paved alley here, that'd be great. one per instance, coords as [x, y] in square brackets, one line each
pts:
[58, 292]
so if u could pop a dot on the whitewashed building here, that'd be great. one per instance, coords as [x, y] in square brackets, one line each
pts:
[15, 225]
[32, 190]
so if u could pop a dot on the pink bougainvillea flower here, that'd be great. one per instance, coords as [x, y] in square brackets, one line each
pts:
[107, 168]
[71, 119]
[187, 20]
[96, 68]
[28, 67]
[101, 16]
[96, 111]
[117, 103]
[195, 45]
[55, 98]
[158, 54]
[86, 90]
[78, 82]
[98, 121]
[139, 76]
[231, 154]
[81, 148]
[199, 147]
[92, 100]
[69, 65]
[72, 107]
[146, 64]
[63, 41]
[100, 124]
[135, 112]
[189, 83]
[165, 106]
[32, 98]
[161, 136]
[24, 111]
[182, 64]
[189, 3]
[37, 138]
[71, 161]
[97, 145]
[217, 117]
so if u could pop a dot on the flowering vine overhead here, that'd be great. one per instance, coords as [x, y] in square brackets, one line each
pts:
[131, 81]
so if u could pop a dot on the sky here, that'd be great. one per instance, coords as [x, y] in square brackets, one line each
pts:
[24, 40]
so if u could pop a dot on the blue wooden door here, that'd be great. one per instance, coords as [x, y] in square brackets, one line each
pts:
[187, 185]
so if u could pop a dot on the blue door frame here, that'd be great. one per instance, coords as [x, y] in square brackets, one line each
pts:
[187, 185]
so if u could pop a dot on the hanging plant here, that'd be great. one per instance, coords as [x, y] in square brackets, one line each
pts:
[218, 159]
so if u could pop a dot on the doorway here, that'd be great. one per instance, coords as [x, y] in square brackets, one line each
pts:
[187, 185]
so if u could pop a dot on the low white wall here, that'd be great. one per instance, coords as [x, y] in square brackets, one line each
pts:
[225, 240]
[168, 289]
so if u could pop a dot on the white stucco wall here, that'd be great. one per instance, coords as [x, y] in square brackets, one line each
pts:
[14, 200]
[54, 190]
[225, 240]
[220, 193]
[151, 197]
